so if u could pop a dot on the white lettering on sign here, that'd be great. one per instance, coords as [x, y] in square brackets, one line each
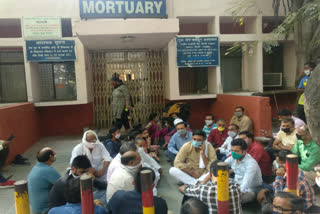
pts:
[121, 6]
[88, 8]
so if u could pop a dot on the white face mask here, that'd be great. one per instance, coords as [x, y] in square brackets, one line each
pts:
[117, 136]
[140, 150]
[232, 134]
[132, 169]
[307, 72]
[208, 122]
[89, 145]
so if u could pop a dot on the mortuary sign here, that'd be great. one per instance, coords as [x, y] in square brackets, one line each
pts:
[50, 50]
[122, 9]
[198, 51]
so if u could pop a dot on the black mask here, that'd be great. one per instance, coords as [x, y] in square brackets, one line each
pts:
[287, 130]
[299, 137]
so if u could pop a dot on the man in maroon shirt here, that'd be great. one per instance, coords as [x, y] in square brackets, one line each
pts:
[219, 135]
[257, 151]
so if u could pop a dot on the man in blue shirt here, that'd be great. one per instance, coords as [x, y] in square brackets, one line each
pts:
[181, 137]
[40, 180]
[246, 169]
[73, 198]
[308, 68]
[123, 202]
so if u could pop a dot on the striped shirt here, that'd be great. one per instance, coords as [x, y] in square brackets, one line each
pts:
[208, 194]
[304, 187]
[207, 130]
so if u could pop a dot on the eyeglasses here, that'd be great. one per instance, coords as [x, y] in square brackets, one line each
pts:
[282, 210]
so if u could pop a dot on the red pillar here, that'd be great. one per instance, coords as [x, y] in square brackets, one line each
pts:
[147, 192]
[86, 194]
[292, 174]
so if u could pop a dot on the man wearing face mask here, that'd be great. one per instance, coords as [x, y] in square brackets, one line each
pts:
[219, 135]
[79, 166]
[225, 150]
[209, 124]
[305, 190]
[308, 68]
[309, 153]
[41, 179]
[246, 169]
[122, 178]
[241, 120]
[193, 160]
[286, 137]
[96, 152]
[181, 137]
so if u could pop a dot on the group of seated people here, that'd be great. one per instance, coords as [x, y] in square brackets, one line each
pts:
[257, 171]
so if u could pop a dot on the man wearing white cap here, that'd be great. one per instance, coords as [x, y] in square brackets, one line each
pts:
[181, 137]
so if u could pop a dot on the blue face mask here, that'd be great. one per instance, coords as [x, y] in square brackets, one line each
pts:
[196, 144]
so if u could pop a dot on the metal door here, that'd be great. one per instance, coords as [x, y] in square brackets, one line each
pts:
[141, 71]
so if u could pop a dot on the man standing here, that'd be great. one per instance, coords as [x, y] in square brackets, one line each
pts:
[209, 124]
[4, 151]
[309, 153]
[193, 160]
[207, 192]
[257, 151]
[286, 138]
[246, 170]
[122, 178]
[243, 121]
[181, 137]
[40, 180]
[308, 68]
[123, 202]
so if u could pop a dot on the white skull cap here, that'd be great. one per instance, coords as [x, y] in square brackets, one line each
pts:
[177, 121]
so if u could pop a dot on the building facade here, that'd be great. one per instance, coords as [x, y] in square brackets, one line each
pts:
[137, 39]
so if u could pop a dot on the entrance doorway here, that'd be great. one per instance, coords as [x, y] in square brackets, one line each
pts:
[140, 70]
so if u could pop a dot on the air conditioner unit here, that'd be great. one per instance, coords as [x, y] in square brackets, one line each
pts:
[272, 79]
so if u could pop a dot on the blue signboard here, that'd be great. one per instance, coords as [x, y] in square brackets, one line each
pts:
[122, 9]
[50, 50]
[198, 51]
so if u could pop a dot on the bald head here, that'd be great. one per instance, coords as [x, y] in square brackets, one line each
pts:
[130, 158]
[46, 155]
[303, 133]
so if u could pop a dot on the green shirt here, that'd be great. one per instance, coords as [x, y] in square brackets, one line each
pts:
[309, 154]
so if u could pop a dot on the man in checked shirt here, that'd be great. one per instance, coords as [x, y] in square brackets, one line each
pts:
[206, 191]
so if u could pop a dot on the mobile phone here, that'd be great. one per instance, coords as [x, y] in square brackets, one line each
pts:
[10, 138]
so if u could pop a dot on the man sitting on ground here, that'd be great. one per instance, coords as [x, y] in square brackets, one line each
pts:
[4, 152]
[207, 191]
[287, 202]
[209, 124]
[72, 194]
[123, 202]
[181, 137]
[286, 113]
[122, 178]
[80, 165]
[219, 135]
[257, 151]
[286, 138]
[96, 152]
[194, 206]
[305, 190]
[40, 180]
[309, 153]
[225, 150]
[243, 121]
[246, 169]
[193, 160]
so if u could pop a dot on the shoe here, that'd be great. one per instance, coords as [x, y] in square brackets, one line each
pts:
[7, 184]
[20, 163]
[19, 157]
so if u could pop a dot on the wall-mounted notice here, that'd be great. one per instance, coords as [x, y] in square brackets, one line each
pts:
[41, 28]
[50, 50]
[198, 51]
[122, 9]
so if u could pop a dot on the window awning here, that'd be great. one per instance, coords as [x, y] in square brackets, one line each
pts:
[101, 34]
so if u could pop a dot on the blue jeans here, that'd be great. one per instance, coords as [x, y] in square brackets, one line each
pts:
[170, 155]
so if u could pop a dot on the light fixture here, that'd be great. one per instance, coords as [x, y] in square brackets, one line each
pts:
[127, 38]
